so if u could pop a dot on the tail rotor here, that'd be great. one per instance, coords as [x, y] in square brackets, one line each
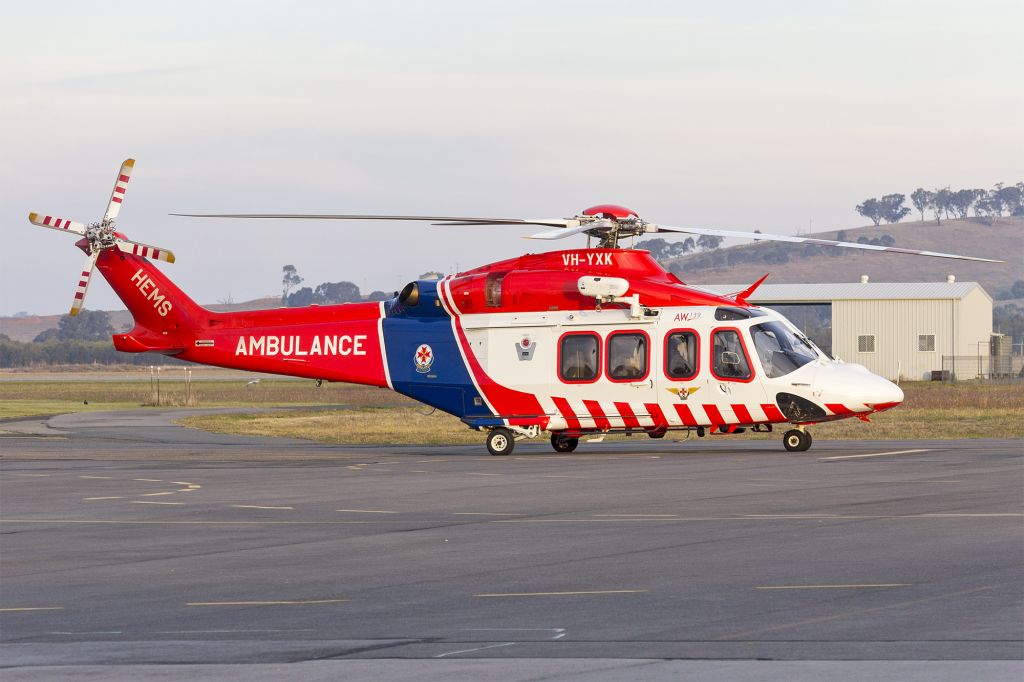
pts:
[102, 235]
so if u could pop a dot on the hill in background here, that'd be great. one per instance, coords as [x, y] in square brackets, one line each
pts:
[26, 328]
[806, 263]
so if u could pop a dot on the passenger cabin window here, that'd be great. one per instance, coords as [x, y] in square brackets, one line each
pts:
[627, 356]
[779, 349]
[728, 357]
[681, 355]
[578, 355]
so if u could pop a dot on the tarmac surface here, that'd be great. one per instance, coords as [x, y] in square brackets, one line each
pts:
[134, 548]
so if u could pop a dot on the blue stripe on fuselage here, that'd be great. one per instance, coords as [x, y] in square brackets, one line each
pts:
[447, 384]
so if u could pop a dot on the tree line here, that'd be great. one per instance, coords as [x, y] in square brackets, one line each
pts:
[80, 340]
[947, 203]
[326, 293]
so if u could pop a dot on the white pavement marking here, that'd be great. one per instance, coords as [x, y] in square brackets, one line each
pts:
[559, 632]
[638, 516]
[873, 454]
[479, 648]
[484, 514]
[256, 506]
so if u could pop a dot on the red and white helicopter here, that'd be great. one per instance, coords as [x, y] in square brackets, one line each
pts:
[568, 343]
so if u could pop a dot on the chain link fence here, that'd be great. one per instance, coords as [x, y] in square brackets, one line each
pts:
[984, 367]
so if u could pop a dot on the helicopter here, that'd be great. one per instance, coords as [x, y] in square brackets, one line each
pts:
[569, 344]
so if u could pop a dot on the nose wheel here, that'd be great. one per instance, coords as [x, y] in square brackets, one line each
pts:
[796, 440]
[500, 441]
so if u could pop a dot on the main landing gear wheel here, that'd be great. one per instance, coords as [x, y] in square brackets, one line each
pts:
[796, 440]
[563, 443]
[500, 441]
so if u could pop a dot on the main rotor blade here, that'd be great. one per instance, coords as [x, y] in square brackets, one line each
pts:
[120, 185]
[441, 220]
[61, 224]
[83, 283]
[757, 236]
[145, 250]
[562, 233]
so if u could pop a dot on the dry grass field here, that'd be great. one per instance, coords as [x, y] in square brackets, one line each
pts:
[347, 414]
[42, 397]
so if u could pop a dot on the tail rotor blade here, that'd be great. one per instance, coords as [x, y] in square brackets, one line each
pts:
[145, 250]
[117, 196]
[83, 283]
[62, 224]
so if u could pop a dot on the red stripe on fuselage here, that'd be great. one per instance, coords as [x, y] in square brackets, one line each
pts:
[838, 408]
[505, 401]
[773, 413]
[742, 414]
[567, 413]
[629, 419]
[714, 415]
[600, 419]
[656, 414]
[685, 414]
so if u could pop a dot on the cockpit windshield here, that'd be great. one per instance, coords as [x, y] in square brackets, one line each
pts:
[780, 350]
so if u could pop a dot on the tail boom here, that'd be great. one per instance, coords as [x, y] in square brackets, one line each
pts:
[333, 343]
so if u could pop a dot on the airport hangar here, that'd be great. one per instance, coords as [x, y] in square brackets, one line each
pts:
[897, 329]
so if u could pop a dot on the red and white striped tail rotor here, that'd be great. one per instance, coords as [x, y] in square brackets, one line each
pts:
[62, 224]
[83, 282]
[102, 235]
[117, 196]
[145, 250]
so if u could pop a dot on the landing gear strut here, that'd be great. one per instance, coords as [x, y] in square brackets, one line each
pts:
[797, 440]
[500, 441]
[563, 443]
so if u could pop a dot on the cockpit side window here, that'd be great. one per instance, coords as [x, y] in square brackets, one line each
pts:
[729, 360]
[681, 355]
[779, 349]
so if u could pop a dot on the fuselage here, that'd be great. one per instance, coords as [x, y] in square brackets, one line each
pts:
[517, 344]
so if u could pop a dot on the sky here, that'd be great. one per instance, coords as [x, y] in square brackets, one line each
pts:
[777, 116]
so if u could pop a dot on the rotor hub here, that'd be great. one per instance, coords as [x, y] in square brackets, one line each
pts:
[610, 223]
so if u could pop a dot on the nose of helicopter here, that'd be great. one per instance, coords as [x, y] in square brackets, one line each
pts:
[853, 385]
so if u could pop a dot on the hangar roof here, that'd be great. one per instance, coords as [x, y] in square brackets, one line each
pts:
[832, 291]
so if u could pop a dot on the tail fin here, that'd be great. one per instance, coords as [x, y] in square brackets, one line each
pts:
[165, 317]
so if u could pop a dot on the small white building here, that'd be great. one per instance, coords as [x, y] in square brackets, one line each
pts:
[897, 329]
